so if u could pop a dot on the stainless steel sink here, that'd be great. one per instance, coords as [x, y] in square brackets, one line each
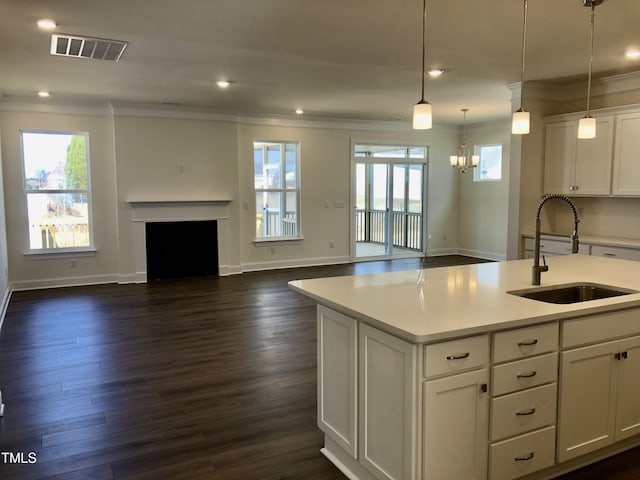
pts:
[571, 292]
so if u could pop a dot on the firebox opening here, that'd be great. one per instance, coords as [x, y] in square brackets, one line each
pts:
[181, 249]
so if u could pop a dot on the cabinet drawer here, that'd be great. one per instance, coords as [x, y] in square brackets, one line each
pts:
[616, 252]
[555, 247]
[599, 328]
[522, 455]
[456, 355]
[523, 411]
[525, 342]
[528, 373]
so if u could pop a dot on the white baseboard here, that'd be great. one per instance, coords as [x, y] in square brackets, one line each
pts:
[64, 282]
[305, 262]
[498, 257]
[4, 305]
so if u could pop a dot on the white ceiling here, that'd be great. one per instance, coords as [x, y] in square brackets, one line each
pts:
[356, 59]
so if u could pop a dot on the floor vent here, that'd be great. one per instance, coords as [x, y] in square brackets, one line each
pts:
[86, 47]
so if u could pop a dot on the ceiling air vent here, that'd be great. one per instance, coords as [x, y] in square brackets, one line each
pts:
[86, 47]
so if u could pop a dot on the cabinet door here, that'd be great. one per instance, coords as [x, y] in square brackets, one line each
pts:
[455, 426]
[559, 157]
[628, 407]
[593, 161]
[387, 413]
[626, 168]
[337, 360]
[586, 419]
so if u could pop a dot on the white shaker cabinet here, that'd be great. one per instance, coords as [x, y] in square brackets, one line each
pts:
[626, 167]
[578, 167]
[455, 409]
[387, 430]
[337, 378]
[598, 398]
[455, 425]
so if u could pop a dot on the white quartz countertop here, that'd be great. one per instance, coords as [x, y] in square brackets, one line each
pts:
[428, 305]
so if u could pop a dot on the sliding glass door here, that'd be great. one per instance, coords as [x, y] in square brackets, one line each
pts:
[389, 192]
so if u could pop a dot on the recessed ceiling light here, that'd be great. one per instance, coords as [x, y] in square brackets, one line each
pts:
[223, 83]
[47, 24]
[436, 72]
[632, 54]
[43, 94]
[299, 111]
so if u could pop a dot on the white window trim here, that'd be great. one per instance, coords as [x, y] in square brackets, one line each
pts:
[47, 252]
[476, 171]
[297, 191]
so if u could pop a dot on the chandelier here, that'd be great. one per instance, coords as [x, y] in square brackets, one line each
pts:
[464, 159]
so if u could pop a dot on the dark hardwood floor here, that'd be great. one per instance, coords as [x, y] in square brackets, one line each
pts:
[209, 378]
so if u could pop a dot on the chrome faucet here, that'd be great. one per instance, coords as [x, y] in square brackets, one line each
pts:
[537, 268]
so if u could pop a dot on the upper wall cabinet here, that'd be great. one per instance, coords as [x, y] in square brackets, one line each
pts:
[626, 166]
[579, 167]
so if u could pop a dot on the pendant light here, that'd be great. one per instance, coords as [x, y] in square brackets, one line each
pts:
[464, 159]
[520, 124]
[587, 125]
[422, 117]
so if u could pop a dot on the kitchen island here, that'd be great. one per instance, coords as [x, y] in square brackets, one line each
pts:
[441, 374]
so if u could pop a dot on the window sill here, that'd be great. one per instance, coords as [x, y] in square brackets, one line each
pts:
[276, 240]
[62, 253]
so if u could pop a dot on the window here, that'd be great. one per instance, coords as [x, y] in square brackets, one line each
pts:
[57, 190]
[490, 167]
[277, 187]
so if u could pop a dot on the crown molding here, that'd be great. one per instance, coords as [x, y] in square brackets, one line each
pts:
[29, 105]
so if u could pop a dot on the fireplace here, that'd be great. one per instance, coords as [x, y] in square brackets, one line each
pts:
[181, 249]
[182, 213]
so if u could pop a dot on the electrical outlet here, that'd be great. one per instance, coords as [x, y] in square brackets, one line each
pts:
[444, 237]
[330, 243]
[72, 263]
[327, 204]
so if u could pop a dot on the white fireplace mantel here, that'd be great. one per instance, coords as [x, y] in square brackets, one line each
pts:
[162, 210]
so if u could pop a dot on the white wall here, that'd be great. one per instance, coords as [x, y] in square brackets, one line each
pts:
[144, 154]
[44, 270]
[4, 261]
[483, 206]
[172, 158]
[325, 159]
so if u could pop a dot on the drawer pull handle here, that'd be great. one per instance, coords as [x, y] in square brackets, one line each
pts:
[459, 356]
[530, 374]
[528, 343]
[607, 254]
[531, 411]
[524, 459]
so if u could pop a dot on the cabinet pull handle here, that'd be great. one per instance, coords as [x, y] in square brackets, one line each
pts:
[621, 355]
[530, 374]
[528, 343]
[524, 459]
[522, 413]
[607, 254]
[459, 356]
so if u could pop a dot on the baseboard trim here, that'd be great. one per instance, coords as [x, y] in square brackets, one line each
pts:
[5, 305]
[64, 282]
[498, 257]
[305, 262]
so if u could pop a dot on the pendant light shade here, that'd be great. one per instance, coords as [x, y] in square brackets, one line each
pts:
[520, 124]
[587, 125]
[587, 128]
[422, 117]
